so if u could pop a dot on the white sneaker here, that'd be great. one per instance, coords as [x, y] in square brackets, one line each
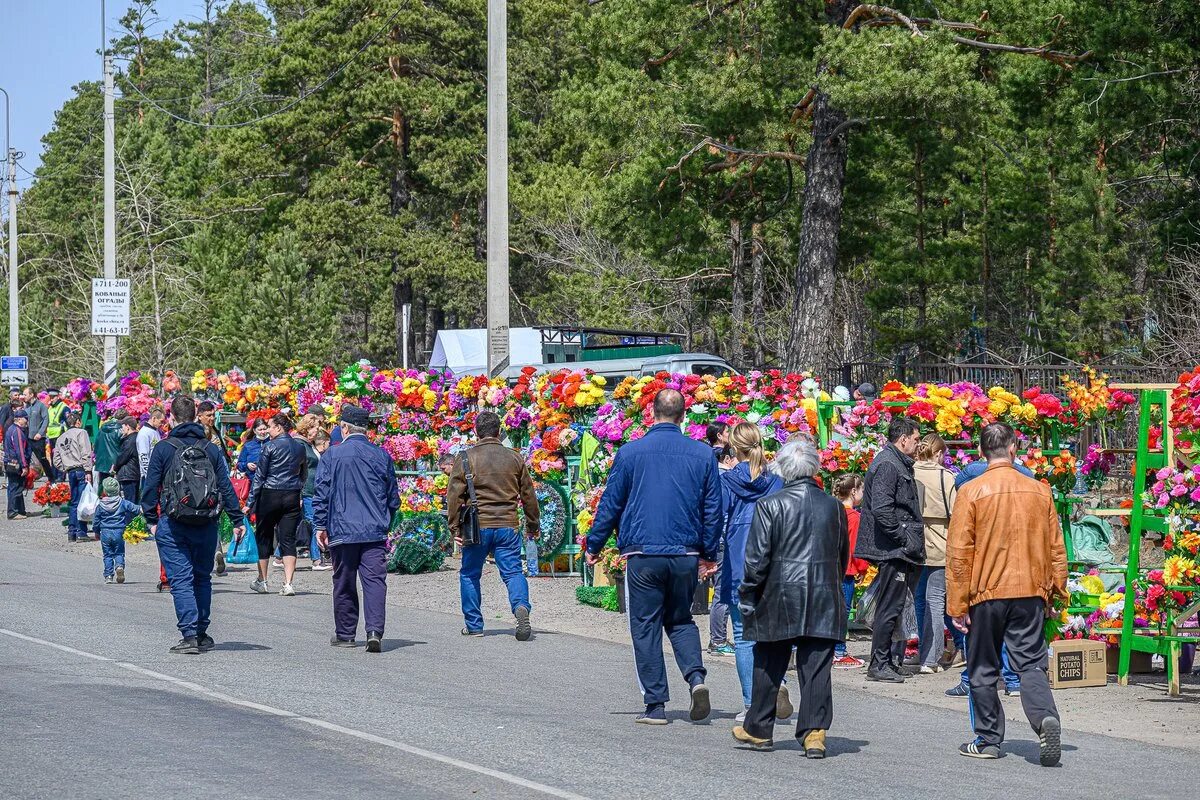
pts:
[287, 590]
[277, 563]
[931, 670]
[740, 718]
[321, 566]
[259, 586]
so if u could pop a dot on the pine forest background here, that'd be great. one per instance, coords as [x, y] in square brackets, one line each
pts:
[790, 183]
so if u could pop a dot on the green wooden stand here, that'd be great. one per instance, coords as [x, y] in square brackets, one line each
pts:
[1154, 399]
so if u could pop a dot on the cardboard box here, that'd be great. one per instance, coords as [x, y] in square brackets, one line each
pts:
[1076, 663]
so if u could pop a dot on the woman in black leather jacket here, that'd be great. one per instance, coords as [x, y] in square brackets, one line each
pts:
[275, 500]
[791, 596]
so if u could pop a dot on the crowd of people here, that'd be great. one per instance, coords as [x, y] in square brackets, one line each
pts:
[975, 557]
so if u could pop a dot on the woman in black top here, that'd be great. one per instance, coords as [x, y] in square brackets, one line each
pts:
[275, 500]
[127, 466]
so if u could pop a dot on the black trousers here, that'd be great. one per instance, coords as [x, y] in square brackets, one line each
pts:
[814, 669]
[39, 452]
[897, 579]
[277, 516]
[129, 490]
[1019, 625]
[659, 592]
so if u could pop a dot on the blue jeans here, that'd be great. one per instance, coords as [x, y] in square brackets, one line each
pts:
[839, 649]
[112, 545]
[1012, 680]
[76, 479]
[531, 556]
[505, 544]
[187, 553]
[314, 550]
[743, 654]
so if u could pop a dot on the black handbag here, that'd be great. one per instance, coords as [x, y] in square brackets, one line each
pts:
[468, 513]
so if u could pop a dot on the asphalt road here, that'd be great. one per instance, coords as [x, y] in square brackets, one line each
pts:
[93, 706]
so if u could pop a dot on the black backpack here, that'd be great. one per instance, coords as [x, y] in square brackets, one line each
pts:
[190, 494]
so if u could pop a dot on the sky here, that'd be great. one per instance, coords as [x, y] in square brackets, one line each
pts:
[49, 46]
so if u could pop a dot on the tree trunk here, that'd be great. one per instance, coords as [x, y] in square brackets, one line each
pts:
[825, 175]
[757, 291]
[986, 257]
[825, 178]
[738, 316]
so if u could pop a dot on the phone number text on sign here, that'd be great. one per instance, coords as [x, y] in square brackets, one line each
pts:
[110, 307]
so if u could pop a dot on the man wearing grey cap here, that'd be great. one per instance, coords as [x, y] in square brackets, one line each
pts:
[356, 498]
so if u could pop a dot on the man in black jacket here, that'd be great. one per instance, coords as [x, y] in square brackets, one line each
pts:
[892, 535]
[127, 466]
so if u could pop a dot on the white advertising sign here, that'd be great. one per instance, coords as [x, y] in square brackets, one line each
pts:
[110, 307]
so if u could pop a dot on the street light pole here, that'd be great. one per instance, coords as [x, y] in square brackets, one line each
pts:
[497, 188]
[14, 319]
[110, 212]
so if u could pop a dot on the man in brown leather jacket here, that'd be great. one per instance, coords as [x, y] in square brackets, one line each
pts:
[1005, 563]
[501, 480]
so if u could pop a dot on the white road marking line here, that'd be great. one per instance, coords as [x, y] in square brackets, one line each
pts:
[515, 780]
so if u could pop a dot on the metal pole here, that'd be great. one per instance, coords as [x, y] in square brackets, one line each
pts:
[110, 214]
[405, 329]
[497, 187]
[14, 317]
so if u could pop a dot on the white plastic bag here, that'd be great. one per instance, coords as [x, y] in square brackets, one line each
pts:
[88, 500]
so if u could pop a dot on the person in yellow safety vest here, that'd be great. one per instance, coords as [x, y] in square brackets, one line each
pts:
[56, 426]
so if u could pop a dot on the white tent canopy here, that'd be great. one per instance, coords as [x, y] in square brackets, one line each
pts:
[464, 352]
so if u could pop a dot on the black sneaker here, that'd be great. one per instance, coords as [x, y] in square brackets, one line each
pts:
[654, 715]
[884, 676]
[701, 704]
[977, 750]
[1012, 692]
[187, 646]
[469, 632]
[960, 690]
[524, 629]
[1050, 742]
[205, 641]
[336, 642]
[374, 642]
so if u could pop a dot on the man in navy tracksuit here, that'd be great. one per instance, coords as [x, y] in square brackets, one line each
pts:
[664, 497]
[356, 498]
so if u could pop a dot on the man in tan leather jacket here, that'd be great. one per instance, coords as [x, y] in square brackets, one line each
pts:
[1006, 562]
[501, 480]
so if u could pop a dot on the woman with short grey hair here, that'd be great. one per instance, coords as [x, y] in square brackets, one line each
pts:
[791, 596]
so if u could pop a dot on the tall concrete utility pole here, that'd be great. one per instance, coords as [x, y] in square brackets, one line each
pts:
[497, 188]
[14, 317]
[110, 214]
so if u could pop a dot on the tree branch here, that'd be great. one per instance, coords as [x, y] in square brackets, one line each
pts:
[871, 12]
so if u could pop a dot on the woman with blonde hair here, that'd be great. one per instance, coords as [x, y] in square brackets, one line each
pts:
[936, 505]
[741, 488]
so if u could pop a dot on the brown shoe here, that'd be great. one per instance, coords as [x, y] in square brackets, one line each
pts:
[742, 736]
[814, 744]
[783, 704]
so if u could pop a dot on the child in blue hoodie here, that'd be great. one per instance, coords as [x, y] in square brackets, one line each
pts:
[113, 515]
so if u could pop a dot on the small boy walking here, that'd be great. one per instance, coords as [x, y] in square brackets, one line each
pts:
[113, 515]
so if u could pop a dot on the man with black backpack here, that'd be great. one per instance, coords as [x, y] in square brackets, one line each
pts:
[187, 484]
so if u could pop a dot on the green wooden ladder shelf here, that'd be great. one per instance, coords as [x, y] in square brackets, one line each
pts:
[1154, 399]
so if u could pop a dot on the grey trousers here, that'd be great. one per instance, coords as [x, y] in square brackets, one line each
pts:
[718, 612]
[933, 623]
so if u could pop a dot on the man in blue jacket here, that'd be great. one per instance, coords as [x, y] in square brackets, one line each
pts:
[664, 496]
[353, 508]
[187, 550]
